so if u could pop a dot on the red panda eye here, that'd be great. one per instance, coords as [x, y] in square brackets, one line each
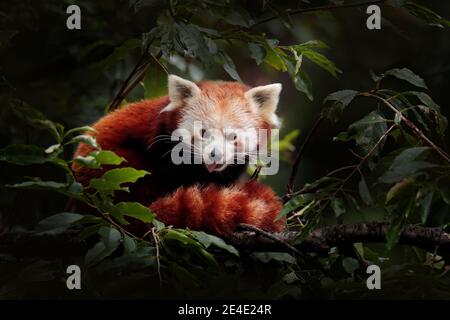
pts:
[232, 136]
[202, 132]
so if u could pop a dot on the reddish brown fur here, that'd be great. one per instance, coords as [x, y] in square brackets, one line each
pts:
[201, 205]
[219, 210]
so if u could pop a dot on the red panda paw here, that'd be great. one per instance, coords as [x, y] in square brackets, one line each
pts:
[219, 210]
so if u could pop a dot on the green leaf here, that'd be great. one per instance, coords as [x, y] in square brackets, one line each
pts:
[322, 62]
[119, 53]
[193, 42]
[293, 204]
[364, 191]
[212, 46]
[341, 99]
[55, 149]
[97, 253]
[312, 44]
[107, 157]
[445, 193]
[366, 132]
[134, 210]
[155, 80]
[257, 52]
[275, 57]
[183, 276]
[229, 67]
[371, 255]
[350, 264]
[406, 163]
[58, 223]
[96, 159]
[172, 234]
[407, 75]
[237, 17]
[113, 179]
[158, 224]
[266, 257]
[338, 206]
[79, 129]
[23, 155]
[425, 99]
[426, 14]
[39, 185]
[208, 240]
[300, 79]
[395, 228]
[303, 84]
[402, 188]
[110, 241]
[89, 231]
[71, 189]
[323, 182]
[316, 57]
[375, 78]
[312, 221]
[84, 138]
[74, 189]
[424, 200]
[37, 119]
[129, 244]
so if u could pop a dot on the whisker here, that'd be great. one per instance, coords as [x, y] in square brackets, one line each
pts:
[159, 140]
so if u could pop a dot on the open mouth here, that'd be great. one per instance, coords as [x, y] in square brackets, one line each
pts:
[215, 167]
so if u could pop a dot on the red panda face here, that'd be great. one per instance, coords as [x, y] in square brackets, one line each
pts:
[222, 122]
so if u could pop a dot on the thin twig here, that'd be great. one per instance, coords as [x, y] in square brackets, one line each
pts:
[158, 258]
[340, 169]
[295, 166]
[119, 96]
[256, 173]
[328, 7]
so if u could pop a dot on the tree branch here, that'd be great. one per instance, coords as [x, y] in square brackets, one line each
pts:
[323, 239]
[327, 7]
[319, 241]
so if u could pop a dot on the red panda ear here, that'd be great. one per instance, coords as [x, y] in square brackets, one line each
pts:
[179, 90]
[264, 100]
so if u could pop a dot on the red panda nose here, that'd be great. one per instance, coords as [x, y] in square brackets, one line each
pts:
[216, 154]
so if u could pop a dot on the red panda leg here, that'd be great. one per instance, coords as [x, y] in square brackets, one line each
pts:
[219, 210]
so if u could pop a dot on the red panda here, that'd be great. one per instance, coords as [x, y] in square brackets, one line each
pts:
[212, 197]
